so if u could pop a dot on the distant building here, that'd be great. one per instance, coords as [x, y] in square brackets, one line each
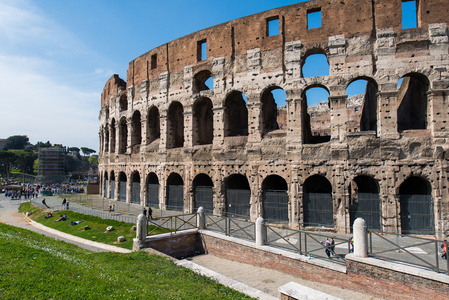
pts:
[51, 167]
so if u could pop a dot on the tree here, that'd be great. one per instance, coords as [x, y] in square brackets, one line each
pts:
[16, 142]
[25, 160]
[87, 151]
[6, 160]
[93, 160]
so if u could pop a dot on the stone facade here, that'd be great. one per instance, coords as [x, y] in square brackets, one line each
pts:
[168, 140]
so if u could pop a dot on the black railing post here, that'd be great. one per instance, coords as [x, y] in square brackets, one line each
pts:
[305, 244]
[437, 258]
[370, 242]
[300, 243]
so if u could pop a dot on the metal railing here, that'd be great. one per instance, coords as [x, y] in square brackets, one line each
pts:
[309, 243]
[235, 227]
[409, 250]
[172, 223]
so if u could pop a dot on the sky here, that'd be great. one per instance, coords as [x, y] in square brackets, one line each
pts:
[56, 56]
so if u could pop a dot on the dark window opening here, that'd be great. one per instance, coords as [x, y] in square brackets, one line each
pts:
[236, 115]
[153, 61]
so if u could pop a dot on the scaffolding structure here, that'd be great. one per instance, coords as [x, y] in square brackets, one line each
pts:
[51, 166]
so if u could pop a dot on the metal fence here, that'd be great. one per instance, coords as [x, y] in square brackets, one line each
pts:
[234, 227]
[409, 250]
[309, 243]
[172, 223]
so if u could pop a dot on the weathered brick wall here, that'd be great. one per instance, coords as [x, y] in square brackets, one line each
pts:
[362, 39]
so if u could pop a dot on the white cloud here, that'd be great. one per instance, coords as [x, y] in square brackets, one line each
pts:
[46, 87]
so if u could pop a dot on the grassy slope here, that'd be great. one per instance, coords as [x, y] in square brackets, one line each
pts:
[98, 226]
[38, 267]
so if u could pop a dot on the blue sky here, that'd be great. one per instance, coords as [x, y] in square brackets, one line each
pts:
[56, 56]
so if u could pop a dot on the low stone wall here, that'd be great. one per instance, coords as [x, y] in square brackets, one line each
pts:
[358, 275]
[180, 244]
[368, 275]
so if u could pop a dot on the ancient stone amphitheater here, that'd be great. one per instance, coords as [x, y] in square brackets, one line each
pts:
[170, 139]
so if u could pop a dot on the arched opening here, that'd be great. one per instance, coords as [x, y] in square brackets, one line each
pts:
[122, 187]
[317, 201]
[316, 116]
[361, 106]
[238, 195]
[175, 126]
[136, 135]
[236, 115]
[152, 190]
[315, 65]
[203, 193]
[412, 102]
[365, 202]
[135, 193]
[106, 139]
[112, 149]
[274, 110]
[175, 192]
[123, 133]
[106, 185]
[275, 199]
[123, 103]
[112, 193]
[416, 206]
[203, 120]
[153, 125]
[203, 81]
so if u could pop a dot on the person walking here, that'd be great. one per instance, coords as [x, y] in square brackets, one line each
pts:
[327, 244]
[444, 246]
[45, 203]
[150, 213]
[67, 205]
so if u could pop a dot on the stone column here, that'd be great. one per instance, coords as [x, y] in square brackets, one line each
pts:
[219, 131]
[254, 120]
[339, 117]
[141, 232]
[129, 185]
[360, 238]
[117, 187]
[129, 128]
[200, 219]
[163, 124]
[143, 190]
[387, 122]
[261, 232]
[188, 126]
[294, 123]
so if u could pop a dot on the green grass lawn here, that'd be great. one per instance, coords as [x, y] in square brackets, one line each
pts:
[98, 226]
[33, 266]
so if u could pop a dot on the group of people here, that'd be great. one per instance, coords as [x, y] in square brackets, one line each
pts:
[65, 204]
[329, 245]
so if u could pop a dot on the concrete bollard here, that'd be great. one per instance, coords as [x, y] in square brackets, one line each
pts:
[261, 232]
[360, 238]
[141, 233]
[201, 218]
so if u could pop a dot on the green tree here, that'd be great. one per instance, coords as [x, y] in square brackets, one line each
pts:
[7, 158]
[25, 160]
[93, 160]
[87, 151]
[16, 142]
[36, 166]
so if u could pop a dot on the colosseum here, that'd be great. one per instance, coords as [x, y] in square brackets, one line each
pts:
[197, 124]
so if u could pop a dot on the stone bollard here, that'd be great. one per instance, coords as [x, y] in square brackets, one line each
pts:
[360, 238]
[200, 218]
[261, 232]
[141, 232]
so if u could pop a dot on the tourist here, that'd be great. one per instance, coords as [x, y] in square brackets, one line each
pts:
[45, 203]
[49, 215]
[150, 213]
[62, 218]
[327, 244]
[444, 246]
[67, 204]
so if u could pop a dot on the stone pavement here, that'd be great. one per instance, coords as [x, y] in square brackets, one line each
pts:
[255, 281]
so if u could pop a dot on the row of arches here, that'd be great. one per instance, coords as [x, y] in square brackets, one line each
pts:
[316, 124]
[317, 204]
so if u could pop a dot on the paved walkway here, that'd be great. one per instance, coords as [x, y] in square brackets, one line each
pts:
[255, 281]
